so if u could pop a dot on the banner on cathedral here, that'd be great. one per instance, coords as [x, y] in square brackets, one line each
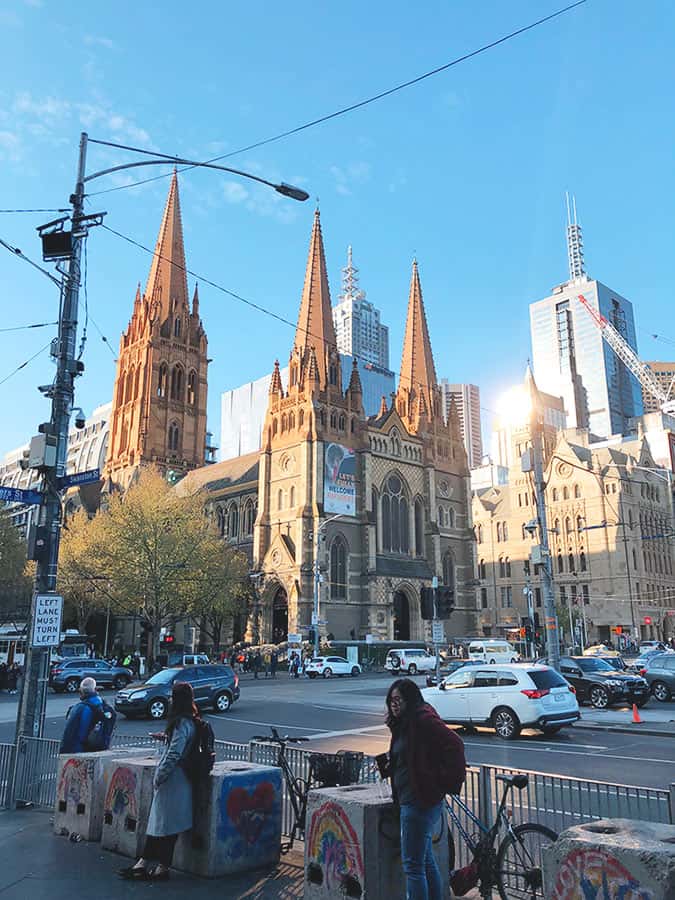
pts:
[339, 483]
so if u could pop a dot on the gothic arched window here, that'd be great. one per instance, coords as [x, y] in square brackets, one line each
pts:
[120, 389]
[176, 392]
[176, 327]
[479, 534]
[174, 436]
[233, 521]
[482, 572]
[130, 385]
[419, 527]
[162, 379]
[292, 497]
[577, 492]
[451, 517]
[449, 571]
[582, 561]
[192, 388]
[249, 518]
[395, 513]
[332, 373]
[338, 569]
[220, 521]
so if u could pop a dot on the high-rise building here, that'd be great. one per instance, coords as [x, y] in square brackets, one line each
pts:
[358, 329]
[571, 358]
[466, 398]
[664, 373]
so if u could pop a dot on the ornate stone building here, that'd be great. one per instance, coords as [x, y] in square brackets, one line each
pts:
[159, 398]
[386, 496]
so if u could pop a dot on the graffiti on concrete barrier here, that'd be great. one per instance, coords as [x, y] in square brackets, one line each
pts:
[249, 816]
[595, 875]
[75, 781]
[120, 798]
[333, 850]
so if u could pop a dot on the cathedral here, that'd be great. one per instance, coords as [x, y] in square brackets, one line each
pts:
[344, 517]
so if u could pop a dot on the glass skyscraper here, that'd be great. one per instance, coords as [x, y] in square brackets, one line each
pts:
[572, 360]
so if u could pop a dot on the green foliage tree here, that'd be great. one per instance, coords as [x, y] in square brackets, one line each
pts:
[220, 592]
[84, 591]
[15, 582]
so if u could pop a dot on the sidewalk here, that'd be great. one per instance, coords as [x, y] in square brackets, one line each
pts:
[37, 864]
[657, 721]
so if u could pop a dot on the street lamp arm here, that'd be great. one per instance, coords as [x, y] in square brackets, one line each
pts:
[287, 190]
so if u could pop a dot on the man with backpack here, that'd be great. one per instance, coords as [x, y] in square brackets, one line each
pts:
[90, 723]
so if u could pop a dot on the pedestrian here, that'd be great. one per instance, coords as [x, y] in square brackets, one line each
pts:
[274, 662]
[425, 762]
[256, 663]
[296, 665]
[268, 662]
[3, 676]
[12, 678]
[171, 809]
[82, 718]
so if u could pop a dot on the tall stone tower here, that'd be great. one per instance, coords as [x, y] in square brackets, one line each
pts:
[304, 420]
[159, 400]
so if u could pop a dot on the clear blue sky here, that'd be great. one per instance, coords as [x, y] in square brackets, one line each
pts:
[467, 170]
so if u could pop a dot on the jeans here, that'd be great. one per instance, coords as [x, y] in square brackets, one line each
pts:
[423, 878]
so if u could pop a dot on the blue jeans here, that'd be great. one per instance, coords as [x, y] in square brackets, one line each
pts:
[423, 878]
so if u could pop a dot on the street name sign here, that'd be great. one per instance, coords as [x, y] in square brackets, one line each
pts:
[77, 478]
[47, 620]
[294, 638]
[18, 495]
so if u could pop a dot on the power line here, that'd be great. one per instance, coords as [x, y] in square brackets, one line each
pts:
[24, 364]
[346, 109]
[24, 327]
[33, 210]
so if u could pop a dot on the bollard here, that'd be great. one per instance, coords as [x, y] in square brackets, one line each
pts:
[237, 822]
[80, 790]
[126, 804]
[352, 845]
[618, 858]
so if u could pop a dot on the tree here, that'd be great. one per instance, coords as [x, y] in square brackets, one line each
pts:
[153, 552]
[220, 592]
[15, 582]
[84, 591]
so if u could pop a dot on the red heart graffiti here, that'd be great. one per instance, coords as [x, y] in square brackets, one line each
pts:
[249, 811]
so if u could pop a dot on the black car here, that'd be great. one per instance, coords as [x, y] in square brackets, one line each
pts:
[601, 685]
[214, 686]
[452, 666]
[660, 676]
[67, 674]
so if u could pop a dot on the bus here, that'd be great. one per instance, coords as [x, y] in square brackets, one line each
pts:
[13, 644]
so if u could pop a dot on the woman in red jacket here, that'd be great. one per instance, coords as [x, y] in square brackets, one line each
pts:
[426, 762]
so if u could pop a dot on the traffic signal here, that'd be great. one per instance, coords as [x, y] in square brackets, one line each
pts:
[522, 632]
[528, 633]
[445, 602]
[427, 602]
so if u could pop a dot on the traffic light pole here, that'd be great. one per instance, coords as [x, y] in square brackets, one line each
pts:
[437, 648]
[33, 698]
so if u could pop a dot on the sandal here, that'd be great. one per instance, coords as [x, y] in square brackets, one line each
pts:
[158, 874]
[134, 873]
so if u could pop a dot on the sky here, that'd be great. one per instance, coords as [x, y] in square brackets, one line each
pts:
[466, 170]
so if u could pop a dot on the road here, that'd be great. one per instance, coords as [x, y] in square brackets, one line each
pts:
[348, 714]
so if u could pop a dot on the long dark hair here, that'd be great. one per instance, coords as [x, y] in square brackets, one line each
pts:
[183, 706]
[412, 697]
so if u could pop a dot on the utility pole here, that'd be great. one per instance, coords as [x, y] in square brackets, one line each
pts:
[32, 703]
[434, 629]
[537, 468]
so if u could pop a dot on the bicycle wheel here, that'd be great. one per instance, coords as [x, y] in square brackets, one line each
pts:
[519, 862]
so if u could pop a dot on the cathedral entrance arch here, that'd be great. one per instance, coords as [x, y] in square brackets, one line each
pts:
[401, 616]
[280, 615]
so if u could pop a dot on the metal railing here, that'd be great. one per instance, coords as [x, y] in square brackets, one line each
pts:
[553, 800]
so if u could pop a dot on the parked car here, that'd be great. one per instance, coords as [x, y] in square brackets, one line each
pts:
[67, 674]
[188, 659]
[660, 676]
[639, 666]
[653, 645]
[600, 650]
[493, 651]
[331, 665]
[409, 659]
[507, 697]
[448, 668]
[616, 662]
[215, 686]
[601, 685]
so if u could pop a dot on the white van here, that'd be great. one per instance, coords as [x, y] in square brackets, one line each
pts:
[410, 660]
[488, 651]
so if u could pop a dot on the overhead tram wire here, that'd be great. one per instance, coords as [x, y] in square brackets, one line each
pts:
[340, 112]
[24, 364]
[26, 327]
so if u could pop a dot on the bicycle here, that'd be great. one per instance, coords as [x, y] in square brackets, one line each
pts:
[514, 868]
[325, 770]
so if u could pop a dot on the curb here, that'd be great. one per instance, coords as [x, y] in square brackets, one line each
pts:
[626, 729]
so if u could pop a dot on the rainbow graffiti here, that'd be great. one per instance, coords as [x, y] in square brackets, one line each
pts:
[120, 798]
[74, 781]
[334, 847]
[595, 874]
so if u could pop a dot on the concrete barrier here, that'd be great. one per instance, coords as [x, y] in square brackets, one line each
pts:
[352, 845]
[612, 858]
[126, 803]
[237, 822]
[80, 791]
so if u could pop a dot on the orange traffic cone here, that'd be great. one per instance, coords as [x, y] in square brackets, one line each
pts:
[636, 715]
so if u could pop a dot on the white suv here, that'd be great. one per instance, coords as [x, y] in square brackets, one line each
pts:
[411, 661]
[506, 697]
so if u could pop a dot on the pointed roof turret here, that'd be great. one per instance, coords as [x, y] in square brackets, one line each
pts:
[355, 380]
[315, 321]
[195, 302]
[418, 373]
[313, 367]
[167, 281]
[275, 385]
[384, 409]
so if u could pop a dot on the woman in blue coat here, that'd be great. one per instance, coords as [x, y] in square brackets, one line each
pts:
[171, 810]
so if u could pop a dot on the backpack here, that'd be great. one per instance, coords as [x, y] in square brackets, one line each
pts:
[201, 757]
[101, 732]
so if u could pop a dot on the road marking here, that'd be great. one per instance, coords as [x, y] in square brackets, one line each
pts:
[262, 724]
[348, 731]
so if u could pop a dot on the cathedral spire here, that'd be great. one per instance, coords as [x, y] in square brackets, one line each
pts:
[167, 281]
[315, 321]
[195, 302]
[275, 384]
[418, 373]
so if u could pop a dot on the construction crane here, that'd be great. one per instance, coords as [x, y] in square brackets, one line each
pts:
[629, 358]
